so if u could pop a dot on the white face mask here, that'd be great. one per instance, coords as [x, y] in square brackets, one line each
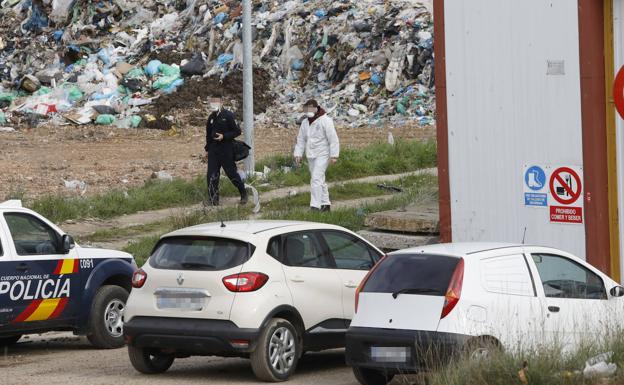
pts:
[310, 114]
[215, 106]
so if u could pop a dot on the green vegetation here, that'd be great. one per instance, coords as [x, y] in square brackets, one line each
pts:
[115, 233]
[378, 159]
[544, 367]
[349, 191]
[353, 218]
[153, 195]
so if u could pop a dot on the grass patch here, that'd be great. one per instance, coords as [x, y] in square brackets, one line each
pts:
[377, 159]
[353, 218]
[544, 367]
[112, 234]
[349, 191]
[153, 195]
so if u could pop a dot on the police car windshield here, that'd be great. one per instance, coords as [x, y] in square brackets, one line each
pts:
[208, 254]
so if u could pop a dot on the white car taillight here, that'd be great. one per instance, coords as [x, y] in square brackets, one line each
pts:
[138, 278]
[453, 293]
[245, 282]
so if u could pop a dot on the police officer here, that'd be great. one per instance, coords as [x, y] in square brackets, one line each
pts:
[319, 140]
[221, 129]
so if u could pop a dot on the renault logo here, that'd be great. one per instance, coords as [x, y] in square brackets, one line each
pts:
[180, 279]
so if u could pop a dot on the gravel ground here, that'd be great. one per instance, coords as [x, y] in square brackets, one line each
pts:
[61, 358]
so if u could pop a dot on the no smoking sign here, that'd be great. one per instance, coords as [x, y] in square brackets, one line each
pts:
[566, 190]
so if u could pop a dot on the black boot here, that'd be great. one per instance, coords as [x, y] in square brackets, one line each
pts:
[244, 198]
[326, 208]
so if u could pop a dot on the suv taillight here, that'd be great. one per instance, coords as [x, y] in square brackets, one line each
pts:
[138, 278]
[453, 293]
[361, 286]
[245, 282]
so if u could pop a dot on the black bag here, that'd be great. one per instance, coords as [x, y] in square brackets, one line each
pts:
[241, 150]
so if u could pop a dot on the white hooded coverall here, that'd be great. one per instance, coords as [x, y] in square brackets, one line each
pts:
[319, 141]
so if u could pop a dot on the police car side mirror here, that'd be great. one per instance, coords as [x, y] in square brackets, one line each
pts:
[617, 291]
[67, 243]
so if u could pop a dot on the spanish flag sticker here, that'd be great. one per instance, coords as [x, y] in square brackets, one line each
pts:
[66, 266]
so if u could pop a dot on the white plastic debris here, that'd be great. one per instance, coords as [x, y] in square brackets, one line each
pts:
[76, 185]
[162, 175]
[256, 198]
[600, 366]
[390, 139]
[7, 129]
[353, 112]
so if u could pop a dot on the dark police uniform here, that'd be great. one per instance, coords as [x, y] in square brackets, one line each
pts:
[221, 153]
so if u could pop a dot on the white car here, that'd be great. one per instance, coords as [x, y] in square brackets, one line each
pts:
[418, 307]
[267, 290]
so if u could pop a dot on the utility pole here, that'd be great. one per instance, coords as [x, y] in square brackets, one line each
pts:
[248, 115]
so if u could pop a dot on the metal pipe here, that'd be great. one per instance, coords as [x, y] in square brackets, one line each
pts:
[248, 115]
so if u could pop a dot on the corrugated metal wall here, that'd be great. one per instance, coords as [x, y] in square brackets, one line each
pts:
[504, 111]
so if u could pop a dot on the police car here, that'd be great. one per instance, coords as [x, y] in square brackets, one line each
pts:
[48, 283]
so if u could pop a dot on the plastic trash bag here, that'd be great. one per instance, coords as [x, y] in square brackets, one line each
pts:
[320, 13]
[3, 119]
[173, 86]
[224, 58]
[105, 119]
[135, 121]
[153, 67]
[219, 18]
[164, 24]
[168, 70]
[164, 82]
[104, 56]
[133, 85]
[195, 66]
[135, 73]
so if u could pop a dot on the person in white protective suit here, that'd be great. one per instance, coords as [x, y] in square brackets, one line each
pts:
[319, 140]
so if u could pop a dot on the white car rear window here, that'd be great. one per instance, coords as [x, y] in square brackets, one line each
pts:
[426, 274]
[211, 254]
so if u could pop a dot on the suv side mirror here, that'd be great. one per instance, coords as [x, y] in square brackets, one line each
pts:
[617, 291]
[67, 243]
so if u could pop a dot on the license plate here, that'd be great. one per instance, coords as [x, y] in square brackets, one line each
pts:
[390, 354]
[180, 303]
[181, 299]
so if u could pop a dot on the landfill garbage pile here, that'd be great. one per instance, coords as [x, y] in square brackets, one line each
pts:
[135, 64]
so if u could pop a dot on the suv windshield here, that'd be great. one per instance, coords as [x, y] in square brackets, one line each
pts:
[212, 254]
[412, 274]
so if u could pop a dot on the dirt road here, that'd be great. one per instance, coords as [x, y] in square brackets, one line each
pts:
[61, 358]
